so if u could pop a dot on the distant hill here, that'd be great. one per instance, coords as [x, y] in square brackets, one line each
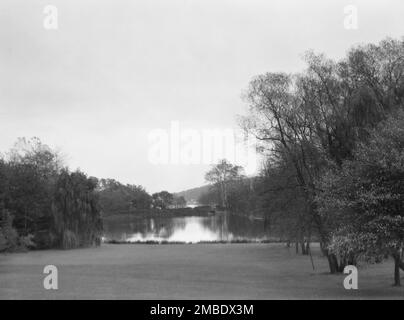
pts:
[192, 195]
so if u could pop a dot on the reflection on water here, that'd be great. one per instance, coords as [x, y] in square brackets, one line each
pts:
[220, 227]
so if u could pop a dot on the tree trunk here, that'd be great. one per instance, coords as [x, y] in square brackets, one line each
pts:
[225, 203]
[321, 247]
[332, 259]
[342, 264]
[222, 188]
[311, 257]
[397, 262]
[352, 260]
[304, 251]
[332, 262]
[297, 247]
[308, 246]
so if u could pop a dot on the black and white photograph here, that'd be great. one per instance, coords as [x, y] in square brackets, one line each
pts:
[212, 152]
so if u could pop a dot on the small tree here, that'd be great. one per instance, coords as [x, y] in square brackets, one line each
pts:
[220, 175]
[179, 202]
[162, 199]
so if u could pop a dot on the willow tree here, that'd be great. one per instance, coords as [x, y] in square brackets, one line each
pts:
[75, 211]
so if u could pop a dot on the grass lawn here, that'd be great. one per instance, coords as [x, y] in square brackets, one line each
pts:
[194, 271]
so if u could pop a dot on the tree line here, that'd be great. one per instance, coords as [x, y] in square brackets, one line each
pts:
[45, 205]
[117, 198]
[332, 138]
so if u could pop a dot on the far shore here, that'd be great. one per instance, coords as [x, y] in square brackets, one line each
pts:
[194, 271]
[161, 213]
[174, 213]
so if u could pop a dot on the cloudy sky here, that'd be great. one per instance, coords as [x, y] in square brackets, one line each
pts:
[114, 71]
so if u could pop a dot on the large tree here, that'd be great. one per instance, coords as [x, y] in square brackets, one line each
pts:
[32, 171]
[310, 120]
[365, 197]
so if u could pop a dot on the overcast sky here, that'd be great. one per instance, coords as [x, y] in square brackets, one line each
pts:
[115, 70]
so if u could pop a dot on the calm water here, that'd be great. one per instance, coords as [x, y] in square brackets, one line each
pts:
[220, 227]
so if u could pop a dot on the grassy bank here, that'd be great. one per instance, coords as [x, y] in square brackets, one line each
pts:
[222, 271]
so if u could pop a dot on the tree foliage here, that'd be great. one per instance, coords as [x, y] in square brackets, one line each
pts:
[42, 203]
[221, 176]
[162, 199]
[365, 197]
[116, 198]
[315, 120]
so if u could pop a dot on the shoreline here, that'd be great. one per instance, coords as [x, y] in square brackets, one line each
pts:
[158, 214]
[166, 242]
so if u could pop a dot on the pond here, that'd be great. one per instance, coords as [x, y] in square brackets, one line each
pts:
[219, 227]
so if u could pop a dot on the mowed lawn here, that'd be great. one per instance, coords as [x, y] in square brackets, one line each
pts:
[197, 271]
